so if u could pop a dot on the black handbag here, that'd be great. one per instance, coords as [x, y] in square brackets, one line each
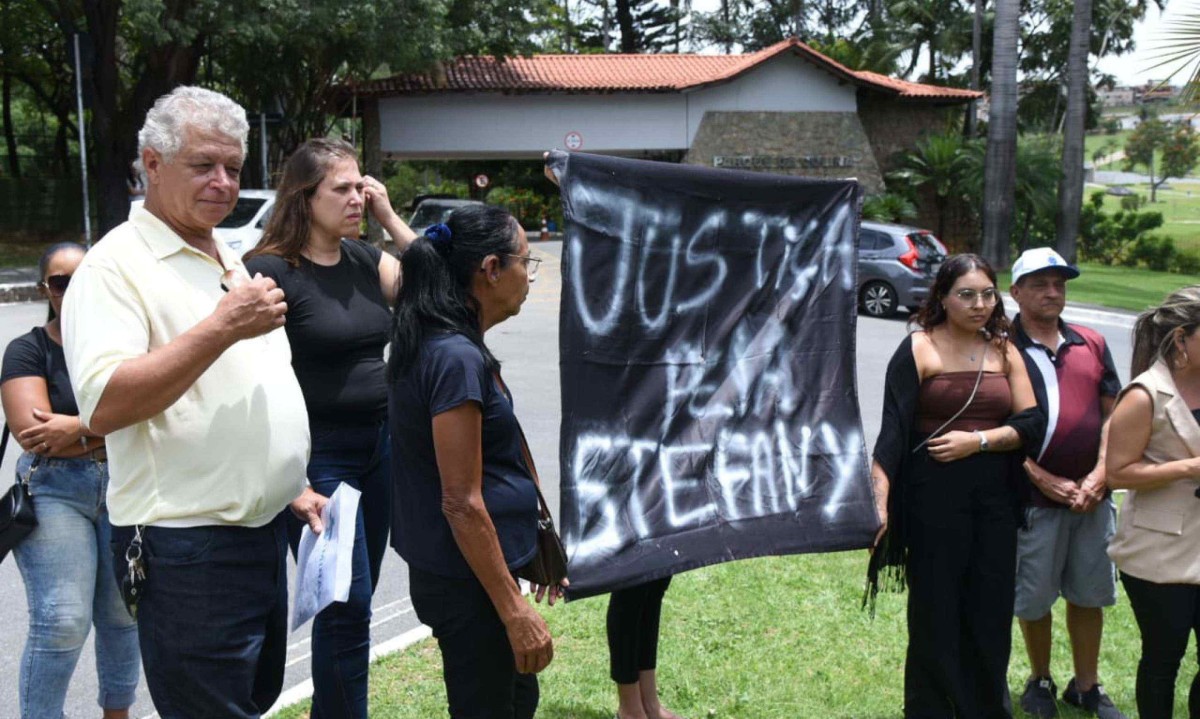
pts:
[17, 519]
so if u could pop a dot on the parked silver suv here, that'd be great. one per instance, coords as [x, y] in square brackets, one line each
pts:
[896, 266]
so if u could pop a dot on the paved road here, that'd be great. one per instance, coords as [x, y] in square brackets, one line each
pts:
[527, 345]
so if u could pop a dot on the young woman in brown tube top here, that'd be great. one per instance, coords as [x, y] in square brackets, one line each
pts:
[949, 488]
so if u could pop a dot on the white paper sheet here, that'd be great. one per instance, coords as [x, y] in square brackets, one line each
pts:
[323, 561]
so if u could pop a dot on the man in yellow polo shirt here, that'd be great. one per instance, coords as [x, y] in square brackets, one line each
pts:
[206, 427]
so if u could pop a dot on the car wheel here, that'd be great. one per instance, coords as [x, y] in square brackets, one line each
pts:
[878, 299]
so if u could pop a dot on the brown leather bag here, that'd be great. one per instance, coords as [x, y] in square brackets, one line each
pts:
[549, 565]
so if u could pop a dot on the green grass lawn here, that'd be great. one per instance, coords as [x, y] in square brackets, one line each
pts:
[759, 639]
[1092, 143]
[21, 254]
[1179, 205]
[1128, 288]
[1114, 143]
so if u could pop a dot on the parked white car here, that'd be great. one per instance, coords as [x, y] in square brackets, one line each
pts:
[244, 227]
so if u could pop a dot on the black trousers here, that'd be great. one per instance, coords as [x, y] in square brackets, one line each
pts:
[478, 666]
[633, 618]
[1166, 614]
[212, 623]
[962, 523]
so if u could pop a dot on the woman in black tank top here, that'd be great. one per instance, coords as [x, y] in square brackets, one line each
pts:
[947, 475]
[339, 291]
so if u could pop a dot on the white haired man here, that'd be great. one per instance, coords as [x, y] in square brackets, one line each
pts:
[1063, 550]
[206, 426]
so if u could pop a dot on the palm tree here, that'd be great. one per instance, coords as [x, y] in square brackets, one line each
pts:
[976, 62]
[862, 52]
[938, 26]
[1038, 174]
[937, 163]
[1000, 174]
[1070, 188]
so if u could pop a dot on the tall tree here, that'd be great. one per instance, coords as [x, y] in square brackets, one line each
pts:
[938, 164]
[6, 82]
[1070, 188]
[1000, 173]
[1180, 50]
[1175, 148]
[261, 52]
[629, 39]
[936, 29]
[160, 43]
[647, 25]
[976, 63]
[33, 55]
[755, 24]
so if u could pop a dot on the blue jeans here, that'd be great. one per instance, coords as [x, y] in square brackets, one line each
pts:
[213, 618]
[68, 577]
[357, 455]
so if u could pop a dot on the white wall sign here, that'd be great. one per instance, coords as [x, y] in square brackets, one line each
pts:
[573, 140]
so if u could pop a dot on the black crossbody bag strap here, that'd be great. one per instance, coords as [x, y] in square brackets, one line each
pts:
[544, 509]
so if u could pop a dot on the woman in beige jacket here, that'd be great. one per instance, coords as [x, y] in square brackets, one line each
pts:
[1154, 451]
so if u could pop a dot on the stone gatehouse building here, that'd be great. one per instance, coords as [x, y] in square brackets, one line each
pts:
[786, 109]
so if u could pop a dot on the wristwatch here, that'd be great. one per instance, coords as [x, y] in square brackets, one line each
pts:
[983, 443]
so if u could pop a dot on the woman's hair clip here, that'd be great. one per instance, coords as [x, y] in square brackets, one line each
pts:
[439, 236]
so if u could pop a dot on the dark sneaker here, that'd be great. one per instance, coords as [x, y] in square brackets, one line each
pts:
[1038, 699]
[1094, 701]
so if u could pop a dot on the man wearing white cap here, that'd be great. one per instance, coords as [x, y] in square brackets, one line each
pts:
[1063, 548]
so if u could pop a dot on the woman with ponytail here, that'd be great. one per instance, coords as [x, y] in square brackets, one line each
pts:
[1154, 452]
[465, 509]
[338, 291]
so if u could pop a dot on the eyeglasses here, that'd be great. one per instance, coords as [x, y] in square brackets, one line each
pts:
[531, 265]
[968, 297]
[56, 284]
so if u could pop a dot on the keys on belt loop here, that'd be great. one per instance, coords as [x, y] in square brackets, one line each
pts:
[133, 585]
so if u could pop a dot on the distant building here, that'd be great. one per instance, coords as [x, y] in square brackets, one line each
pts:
[1153, 92]
[1116, 96]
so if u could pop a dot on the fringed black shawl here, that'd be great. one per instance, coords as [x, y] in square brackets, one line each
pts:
[893, 451]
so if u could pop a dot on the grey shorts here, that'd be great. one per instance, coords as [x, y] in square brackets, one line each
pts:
[1064, 553]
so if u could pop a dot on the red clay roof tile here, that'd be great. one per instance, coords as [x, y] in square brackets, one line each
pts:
[629, 73]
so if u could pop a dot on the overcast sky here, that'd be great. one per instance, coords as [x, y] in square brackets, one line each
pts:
[1134, 68]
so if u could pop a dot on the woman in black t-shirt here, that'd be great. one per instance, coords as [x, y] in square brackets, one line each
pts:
[65, 562]
[338, 292]
[466, 509]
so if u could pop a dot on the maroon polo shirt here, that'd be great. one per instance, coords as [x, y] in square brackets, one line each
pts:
[1069, 382]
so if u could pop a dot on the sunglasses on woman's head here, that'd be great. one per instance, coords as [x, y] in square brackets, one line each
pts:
[56, 284]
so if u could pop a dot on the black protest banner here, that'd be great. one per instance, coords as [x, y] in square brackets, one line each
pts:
[707, 358]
